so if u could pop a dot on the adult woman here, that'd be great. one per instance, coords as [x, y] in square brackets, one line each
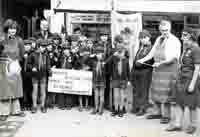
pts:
[165, 68]
[187, 95]
[11, 86]
[141, 75]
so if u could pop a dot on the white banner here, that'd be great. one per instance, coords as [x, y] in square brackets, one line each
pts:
[70, 82]
[129, 26]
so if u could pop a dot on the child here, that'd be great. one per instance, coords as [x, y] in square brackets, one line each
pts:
[74, 47]
[141, 75]
[26, 76]
[66, 100]
[33, 44]
[119, 65]
[99, 79]
[51, 97]
[84, 56]
[40, 71]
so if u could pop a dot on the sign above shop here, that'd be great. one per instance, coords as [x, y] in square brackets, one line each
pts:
[90, 18]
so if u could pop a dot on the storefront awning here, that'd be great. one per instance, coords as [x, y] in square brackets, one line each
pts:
[82, 5]
[178, 6]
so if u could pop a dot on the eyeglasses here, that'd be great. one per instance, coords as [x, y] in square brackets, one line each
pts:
[142, 37]
[185, 34]
[163, 30]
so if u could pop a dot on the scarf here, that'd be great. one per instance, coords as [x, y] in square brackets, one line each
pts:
[120, 66]
[64, 63]
[42, 59]
[99, 68]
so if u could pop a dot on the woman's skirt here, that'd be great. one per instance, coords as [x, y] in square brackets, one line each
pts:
[185, 98]
[163, 79]
[11, 86]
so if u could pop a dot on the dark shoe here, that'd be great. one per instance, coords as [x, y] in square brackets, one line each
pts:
[21, 114]
[69, 108]
[164, 120]
[120, 114]
[94, 112]
[173, 129]
[154, 117]
[124, 110]
[114, 113]
[87, 108]
[190, 130]
[134, 111]
[140, 113]
[62, 108]
[34, 110]
[3, 118]
[100, 112]
[80, 109]
[43, 110]
[23, 109]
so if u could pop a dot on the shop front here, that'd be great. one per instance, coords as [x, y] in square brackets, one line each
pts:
[92, 24]
[94, 20]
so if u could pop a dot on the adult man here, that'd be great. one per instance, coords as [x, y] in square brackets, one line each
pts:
[44, 30]
[166, 52]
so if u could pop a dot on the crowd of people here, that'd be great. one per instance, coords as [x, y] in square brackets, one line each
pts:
[161, 74]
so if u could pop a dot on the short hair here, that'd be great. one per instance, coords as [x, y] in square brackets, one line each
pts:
[77, 29]
[166, 23]
[43, 20]
[192, 33]
[9, 23]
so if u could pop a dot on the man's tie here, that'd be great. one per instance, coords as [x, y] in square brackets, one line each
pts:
[64, 64]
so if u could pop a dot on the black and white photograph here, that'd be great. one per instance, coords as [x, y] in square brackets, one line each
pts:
[99, 68]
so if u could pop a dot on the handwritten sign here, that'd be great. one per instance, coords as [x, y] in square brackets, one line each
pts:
[70, 82]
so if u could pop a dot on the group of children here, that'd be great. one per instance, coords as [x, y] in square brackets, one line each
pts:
[79, 54]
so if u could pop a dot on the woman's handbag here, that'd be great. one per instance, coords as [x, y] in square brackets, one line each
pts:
[13, 68]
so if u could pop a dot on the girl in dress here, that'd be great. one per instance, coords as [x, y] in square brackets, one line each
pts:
[99, 79]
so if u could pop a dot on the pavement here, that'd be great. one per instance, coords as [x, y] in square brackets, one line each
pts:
[72, 123]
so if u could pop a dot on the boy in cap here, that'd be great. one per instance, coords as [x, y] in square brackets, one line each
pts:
[26, 101]
[40, 71]
[51, 47]
[65, 101]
